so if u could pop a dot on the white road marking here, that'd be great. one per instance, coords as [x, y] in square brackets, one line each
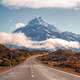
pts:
[32, 76]
[59, 71]
[32, 71]
[64, 72]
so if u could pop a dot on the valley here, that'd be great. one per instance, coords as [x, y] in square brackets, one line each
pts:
[11, 57]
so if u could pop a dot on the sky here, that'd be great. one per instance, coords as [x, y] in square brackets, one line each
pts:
[64, 14]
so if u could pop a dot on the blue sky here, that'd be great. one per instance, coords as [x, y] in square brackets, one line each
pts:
[66, 18]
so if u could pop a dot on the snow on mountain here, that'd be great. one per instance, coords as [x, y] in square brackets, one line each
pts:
[39, 30]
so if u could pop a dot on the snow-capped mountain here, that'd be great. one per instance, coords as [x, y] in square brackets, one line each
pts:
[38, 30]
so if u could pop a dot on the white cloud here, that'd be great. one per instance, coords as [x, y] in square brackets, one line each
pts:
[41, 3]
[19, 25]
[14, 38]
[21, 39]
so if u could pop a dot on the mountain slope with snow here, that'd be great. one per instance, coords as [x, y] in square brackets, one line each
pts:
[39, 30]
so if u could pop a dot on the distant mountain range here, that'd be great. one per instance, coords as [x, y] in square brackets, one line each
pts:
[38, 30]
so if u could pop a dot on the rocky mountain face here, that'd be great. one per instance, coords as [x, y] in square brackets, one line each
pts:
[38, 30]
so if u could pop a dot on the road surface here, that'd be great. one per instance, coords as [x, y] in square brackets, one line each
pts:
[32, 70]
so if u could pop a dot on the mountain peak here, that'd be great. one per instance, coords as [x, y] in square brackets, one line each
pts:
[38, 29]
[38, 21]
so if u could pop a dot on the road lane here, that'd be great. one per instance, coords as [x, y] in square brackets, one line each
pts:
[53, 74]
[33, 70]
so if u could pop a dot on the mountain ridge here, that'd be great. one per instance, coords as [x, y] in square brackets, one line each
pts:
[38, 30]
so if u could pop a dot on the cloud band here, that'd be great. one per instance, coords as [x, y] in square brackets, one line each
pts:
[41, 3]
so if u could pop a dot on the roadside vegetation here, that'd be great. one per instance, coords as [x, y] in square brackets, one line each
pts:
[65, 59]
[12, 57]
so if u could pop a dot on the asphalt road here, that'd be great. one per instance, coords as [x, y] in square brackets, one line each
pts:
[32, 70]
